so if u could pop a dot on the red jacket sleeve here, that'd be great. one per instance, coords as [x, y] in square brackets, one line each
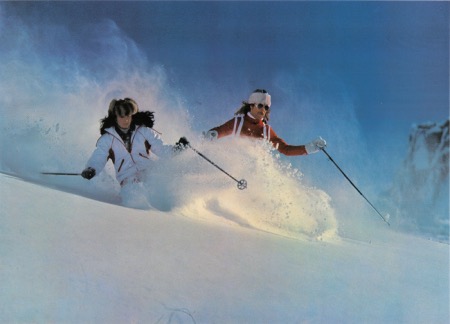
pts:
[284, 148]
[225, 129]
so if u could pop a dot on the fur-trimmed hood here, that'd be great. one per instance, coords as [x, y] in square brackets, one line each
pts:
[145, 118]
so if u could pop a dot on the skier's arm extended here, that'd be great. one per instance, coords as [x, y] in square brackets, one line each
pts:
[99, 157]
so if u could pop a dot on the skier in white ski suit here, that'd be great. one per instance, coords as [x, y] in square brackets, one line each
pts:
[127, 138]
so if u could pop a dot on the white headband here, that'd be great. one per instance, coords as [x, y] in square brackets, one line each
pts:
[258, 97]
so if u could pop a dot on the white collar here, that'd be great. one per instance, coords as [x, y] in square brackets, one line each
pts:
[250, 115]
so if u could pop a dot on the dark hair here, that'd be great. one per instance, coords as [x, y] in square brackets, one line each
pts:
[146, 118]
[244, 109]
[260, 91]
[125, 107]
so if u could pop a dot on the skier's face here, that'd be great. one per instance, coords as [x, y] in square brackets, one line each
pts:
[124, 121]
[258, 111]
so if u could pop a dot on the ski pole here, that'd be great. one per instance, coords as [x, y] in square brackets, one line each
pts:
[346, 177]
[61, 173]
[241, 184]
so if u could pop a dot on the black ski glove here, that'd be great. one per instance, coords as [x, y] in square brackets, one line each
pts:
[182, 144]
[88, 173]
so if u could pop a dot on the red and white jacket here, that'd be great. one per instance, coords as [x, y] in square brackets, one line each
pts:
[245, 125]
[146, 146]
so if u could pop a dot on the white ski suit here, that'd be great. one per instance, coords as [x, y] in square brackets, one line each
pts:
[146, 146]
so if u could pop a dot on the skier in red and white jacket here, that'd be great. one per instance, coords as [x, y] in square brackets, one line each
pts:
[251, 120]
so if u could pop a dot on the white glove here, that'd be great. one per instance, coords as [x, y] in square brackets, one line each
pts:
[315, 145]
[211, 135]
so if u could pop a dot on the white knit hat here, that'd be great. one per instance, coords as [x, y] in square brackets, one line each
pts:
[259, 98]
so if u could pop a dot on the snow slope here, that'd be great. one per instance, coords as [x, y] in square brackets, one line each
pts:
[70, 259]
[290, 248]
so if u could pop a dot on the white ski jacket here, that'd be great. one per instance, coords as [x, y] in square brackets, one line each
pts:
[146, 146]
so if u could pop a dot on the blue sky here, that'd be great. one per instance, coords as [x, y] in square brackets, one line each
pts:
[368, 69]
[393, 56]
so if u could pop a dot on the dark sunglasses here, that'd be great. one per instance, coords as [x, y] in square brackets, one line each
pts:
[266, 107]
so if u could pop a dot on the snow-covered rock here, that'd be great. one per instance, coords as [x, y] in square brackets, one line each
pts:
[420, 192]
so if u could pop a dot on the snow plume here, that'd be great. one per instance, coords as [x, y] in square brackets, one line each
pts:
[276, 200]
[55, 89]
[419, 195]
[322, 104]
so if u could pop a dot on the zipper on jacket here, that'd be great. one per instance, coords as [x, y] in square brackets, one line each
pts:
[120, 166]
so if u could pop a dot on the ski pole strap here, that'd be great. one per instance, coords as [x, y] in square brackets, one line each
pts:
[354, 186]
